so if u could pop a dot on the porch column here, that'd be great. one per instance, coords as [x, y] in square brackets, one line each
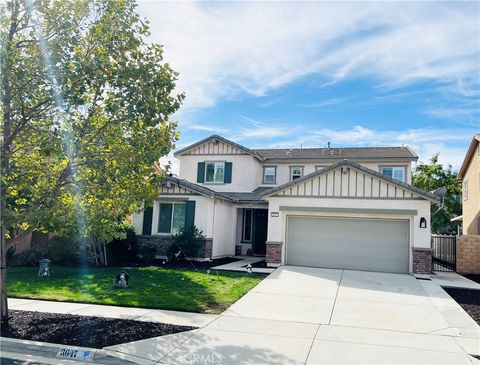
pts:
[274, 252]
[422, 260]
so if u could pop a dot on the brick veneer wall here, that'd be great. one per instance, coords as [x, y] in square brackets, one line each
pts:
[274, 253]
[468, 254]
[422, 260]
[161, 244]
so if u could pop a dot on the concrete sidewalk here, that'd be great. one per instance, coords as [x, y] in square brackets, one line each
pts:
[137, 314]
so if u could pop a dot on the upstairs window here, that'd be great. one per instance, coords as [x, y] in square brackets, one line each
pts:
[397, 173]
[296, 172]
[465, 190]
[269, 175]
[214, 172]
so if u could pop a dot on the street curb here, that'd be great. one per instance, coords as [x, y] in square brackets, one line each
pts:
[26, 350]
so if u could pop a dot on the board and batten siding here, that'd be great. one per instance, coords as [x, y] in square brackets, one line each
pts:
[210, 148]
[175, 190]
[350, 184]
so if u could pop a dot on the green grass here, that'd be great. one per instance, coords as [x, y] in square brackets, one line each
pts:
[149, 287]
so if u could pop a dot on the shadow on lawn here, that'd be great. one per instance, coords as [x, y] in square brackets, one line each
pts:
[184, 290]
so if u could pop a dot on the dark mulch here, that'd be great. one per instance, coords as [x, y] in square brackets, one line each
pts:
[474, 277]
[468, 299]
[261, 263]
[185, 264]
[95, 332]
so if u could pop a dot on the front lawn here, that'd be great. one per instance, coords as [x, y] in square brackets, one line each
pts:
[149, 287]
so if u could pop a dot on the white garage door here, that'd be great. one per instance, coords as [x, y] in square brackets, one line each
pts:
[348, 243]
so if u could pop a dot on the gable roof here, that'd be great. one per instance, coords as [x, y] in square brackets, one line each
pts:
[296, 154]
[202, 190]
[359, 153]
[253, 197]
[218, 138]
[469, 155]
[424, 194]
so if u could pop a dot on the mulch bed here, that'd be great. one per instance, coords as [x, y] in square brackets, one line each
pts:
[185, 264]
[469, 300]
[95, 332]
[260, 264]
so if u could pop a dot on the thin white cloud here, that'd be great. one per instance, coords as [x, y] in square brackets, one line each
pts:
[223, 49]
[451, 144]
[206, 128]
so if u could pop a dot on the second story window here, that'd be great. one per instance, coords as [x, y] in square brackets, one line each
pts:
[214, 172]
[296, 172]
[465, 190]
[269, 175]
[397, 173]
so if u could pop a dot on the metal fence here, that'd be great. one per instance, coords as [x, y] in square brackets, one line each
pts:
[444, 253]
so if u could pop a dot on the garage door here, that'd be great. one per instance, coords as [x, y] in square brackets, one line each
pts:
[348, 243]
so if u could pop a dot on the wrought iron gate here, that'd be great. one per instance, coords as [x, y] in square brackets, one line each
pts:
[444, 253]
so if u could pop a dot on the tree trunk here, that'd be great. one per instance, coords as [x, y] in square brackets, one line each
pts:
[105, 254]
[5, 159]
[3, 278]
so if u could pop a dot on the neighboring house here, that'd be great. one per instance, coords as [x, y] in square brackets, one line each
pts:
[352, 208]
[470, 176]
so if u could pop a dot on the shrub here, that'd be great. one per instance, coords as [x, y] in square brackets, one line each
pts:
[122, 251]
[147, 253]
[61, 250]
[185, 244]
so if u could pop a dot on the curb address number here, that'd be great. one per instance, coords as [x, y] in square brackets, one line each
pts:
[65, 353]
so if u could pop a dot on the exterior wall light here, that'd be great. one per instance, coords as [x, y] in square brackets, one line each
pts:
[423, 223]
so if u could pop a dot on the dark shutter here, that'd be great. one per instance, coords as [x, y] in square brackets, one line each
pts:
[228, 173]
[201, 172]
[147, 221]
[190, 214]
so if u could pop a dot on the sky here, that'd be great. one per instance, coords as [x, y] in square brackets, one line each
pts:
[300, 74]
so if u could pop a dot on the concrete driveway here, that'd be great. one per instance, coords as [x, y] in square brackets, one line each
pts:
[321, 316]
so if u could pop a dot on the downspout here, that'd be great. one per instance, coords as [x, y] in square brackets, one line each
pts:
[213, 220]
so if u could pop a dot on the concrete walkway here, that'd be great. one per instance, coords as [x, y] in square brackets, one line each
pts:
[319, 316]
[453, 280]
[109, 311]
[240, 265]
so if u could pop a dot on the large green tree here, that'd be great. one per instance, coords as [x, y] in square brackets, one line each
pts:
[434, 176]
[85, 107]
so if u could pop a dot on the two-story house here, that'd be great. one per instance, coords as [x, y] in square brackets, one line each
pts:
[470, 175]
[352, 208]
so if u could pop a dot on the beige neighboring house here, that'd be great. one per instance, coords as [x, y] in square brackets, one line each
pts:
[470, 176]
[349, 208]
[468, 244]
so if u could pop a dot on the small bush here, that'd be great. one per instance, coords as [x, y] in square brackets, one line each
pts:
[61, 250]
[122, 251]
[185, 244]
[147, 253]
[28, 258]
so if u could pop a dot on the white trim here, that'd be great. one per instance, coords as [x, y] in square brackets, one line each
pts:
[173, 203]
[296, 167]
[215, 172]
[393, 167]
[243, 225]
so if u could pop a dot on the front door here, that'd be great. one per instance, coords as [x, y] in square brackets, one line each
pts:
[260, 231]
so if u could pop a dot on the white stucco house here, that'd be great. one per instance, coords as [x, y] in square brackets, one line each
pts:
[352, 208]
